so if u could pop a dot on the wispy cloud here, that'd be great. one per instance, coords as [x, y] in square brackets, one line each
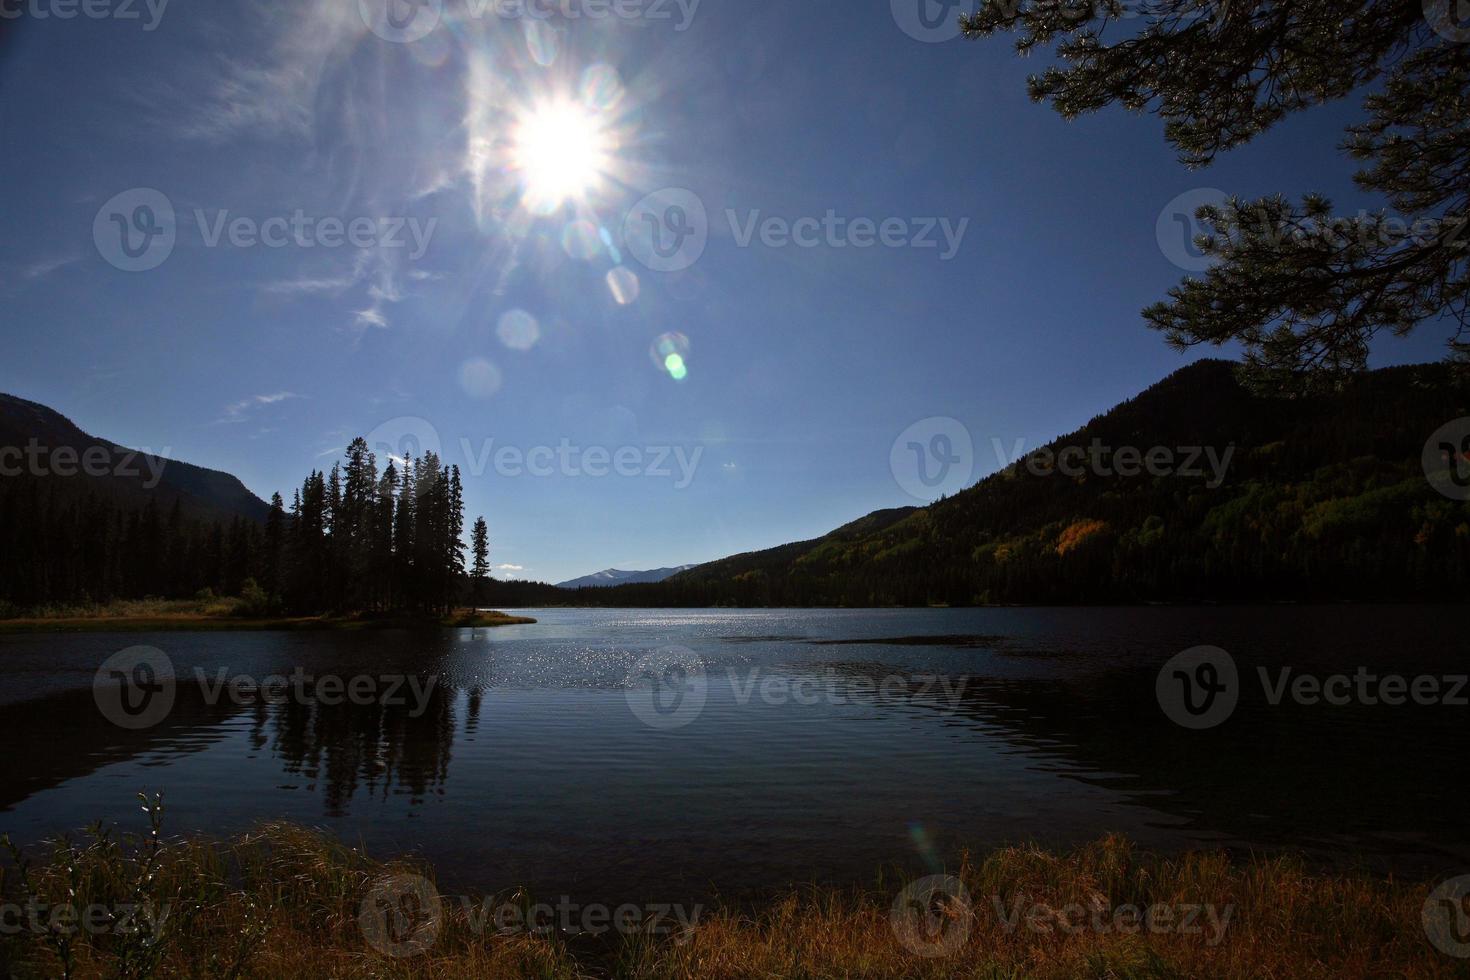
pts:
[309, 285]
[273, 93]
[241, 410]
[370, 317]
[43, 268]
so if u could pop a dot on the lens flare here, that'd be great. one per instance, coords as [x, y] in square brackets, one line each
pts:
[622, 282]
[670, 352]
[479, 378]
[579, 240]
[600, 87]
[540, 42]
[518, 330]
[560, 150]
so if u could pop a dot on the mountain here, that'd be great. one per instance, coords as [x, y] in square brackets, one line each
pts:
[617, 576]
[1309, 498]
[41, 445]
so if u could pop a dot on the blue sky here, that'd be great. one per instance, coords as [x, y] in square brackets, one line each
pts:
[800, 363]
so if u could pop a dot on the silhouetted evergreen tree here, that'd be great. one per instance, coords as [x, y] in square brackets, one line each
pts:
[480, 549]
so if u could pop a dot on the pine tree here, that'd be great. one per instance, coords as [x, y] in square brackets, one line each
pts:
[271, 577]
[1302, 290]
[480, 548]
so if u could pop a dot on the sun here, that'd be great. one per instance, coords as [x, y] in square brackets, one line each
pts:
[560, 149]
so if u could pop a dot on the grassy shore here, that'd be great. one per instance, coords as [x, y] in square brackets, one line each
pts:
[287, 902]
[151, 615]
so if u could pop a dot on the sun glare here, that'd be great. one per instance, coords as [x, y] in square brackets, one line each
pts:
[561, 152]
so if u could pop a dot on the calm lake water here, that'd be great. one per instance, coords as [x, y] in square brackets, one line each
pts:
[800, 745]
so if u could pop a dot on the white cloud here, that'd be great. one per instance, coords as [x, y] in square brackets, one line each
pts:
[240, 411]
[307, 285]
[370, 317]
[45, 267]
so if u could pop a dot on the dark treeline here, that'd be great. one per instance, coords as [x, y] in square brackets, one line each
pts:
[352, 539]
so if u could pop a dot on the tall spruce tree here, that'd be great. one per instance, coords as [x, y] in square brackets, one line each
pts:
[480, 550]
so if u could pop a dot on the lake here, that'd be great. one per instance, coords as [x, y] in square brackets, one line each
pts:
[643, 755]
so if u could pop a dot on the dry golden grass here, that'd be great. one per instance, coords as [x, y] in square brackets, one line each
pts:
[137, 609]
[284, 902]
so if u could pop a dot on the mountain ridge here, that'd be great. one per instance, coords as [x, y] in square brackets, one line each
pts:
[1323, 497]
[618, 576]
[69, 460]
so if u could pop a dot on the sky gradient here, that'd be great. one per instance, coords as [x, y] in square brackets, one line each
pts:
[474, 312]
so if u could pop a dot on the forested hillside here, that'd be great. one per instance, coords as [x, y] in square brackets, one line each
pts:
[1323, 497]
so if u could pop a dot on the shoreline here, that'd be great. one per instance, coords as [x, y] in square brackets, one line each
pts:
[203, 622]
